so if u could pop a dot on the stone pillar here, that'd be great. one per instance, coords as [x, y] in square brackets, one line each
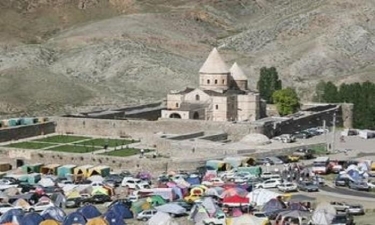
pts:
[347, 115]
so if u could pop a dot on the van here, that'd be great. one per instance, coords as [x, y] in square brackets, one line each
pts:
[321, 165]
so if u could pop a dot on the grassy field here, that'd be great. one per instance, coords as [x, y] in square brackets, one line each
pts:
[30, 145]
[111, 142]
[125, 152]
[62, 139]
[74, 148]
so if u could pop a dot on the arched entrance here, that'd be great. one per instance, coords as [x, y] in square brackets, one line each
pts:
[175, 116]
[196, 116]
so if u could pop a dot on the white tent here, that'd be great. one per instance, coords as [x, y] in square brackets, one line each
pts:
[247, 219]
[322, 217]
[161, 218]
[171, 208]
[96, 178]
[260, 197]
[46, 182]
[209, 205]
[326, 207]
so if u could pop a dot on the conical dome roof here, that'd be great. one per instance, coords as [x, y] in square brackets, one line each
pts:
[237, 73]
[214, 64]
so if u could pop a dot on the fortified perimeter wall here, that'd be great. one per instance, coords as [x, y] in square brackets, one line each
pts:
[20, 132]
[145, 130]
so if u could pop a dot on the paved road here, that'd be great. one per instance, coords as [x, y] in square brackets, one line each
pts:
[348, 192]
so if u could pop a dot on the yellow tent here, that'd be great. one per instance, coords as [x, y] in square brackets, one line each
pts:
[97, 221]
[49, 222]
[50, 169]
[82, 170]
[73, 194]
[100, 191]
[22, 203]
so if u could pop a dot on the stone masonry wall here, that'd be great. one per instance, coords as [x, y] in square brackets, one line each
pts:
[20, 132]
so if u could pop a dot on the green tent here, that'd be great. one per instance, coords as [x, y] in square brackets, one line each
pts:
[255, 170]
[156, 200]
[140, 205]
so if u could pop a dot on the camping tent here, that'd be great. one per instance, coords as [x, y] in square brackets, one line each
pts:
[12, 215]
[234, 191]
[113, 218]
[273, 205]
[32, 168]
[236, 200]
[82, 170]
[46, 182]
[254, 170]
[58, 199]
[74, 218]
[198, 213]
[31, 219]
[322, 217]
[89, 211]
[97, 221]
[122, 210]
[156, 200]
[218, 165]
[303, 216]
[161, 218]
[49, 222]
[171, 208]
[54, 213]
[193, 180]
[49, 169]
[210, 206]
[261, 196]
[65, 170]
[21, 203]
[99, 170]
[247, 219]
[140, 205]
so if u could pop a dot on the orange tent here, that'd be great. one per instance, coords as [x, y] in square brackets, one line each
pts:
[97, 221]
[49, 222]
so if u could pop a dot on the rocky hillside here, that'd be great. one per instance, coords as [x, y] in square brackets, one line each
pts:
[62, 56]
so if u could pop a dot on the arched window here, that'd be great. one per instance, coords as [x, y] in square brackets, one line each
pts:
[176, 104]
[197, 97]
[208, 81]
[223, 81]
[215, 81]
[216, 106]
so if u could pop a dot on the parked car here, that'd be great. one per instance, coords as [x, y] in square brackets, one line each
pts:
[115, 179]
[356, 209]
[343, 219]
[99, 199]
[260, 215]
[341, 181]
[275, 160]
[359, 186]
[121, 200]
[285, 138]
[146, 214]
[134, 183]
[5, 207]
[302, 135]
[39, 207]
[271, 183]
[340, 206]
[263, 161]
[284, 158]
[371, 184]
[287, 187]
[307, 186]
[304, 153]
[266, 175]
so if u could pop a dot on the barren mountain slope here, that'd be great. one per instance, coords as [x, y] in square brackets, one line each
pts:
[85, 54]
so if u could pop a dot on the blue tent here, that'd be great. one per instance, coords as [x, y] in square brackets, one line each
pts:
[74, 218]
[54, 213]
[178, 192]
[354, 175]
[193, 180]
[89, 211]
[122, 210]
[31, 219]
[12, 215]
[113, 218]
[273, 205]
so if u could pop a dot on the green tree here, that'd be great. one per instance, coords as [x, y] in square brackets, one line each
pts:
[286, 100]
[268, 83]
[331, 94]
[319, 91]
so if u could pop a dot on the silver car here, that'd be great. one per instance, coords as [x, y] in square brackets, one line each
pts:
[146, 214]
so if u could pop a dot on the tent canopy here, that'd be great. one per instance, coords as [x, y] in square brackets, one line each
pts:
[49, 222]
[54, 213]
[74, 218]
[31, 219]
[161, 218]
[261, 196]
[89, 211]
[113, 218]
[122, 210]
[97, 221]
[171, 208]
[301, 198]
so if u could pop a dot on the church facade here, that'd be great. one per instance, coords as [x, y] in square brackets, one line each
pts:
[222, 95]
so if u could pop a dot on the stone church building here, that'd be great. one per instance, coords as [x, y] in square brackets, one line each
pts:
[222, 95]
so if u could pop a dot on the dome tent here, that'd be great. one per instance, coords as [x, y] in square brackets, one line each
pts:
[97, 221]
[13, 215]
[89, 212]
[49, 222]
[74, 218]
[113, 218]
[122, 210]
[54, 213]
[31, 219]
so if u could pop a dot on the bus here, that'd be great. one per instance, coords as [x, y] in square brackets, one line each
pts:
[321, 165]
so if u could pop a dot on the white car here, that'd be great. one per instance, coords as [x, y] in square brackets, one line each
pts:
[146, 214]
[266, 175]
[39, 207]
[134, 183]
[64, 183]
[371, 184]
[271, 183]
[5, 207]
[227, 174]
[287, 187]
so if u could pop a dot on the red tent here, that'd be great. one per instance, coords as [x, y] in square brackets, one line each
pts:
[236, 200]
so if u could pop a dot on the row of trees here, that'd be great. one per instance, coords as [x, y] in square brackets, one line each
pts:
[270, 89]
[361, 95]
